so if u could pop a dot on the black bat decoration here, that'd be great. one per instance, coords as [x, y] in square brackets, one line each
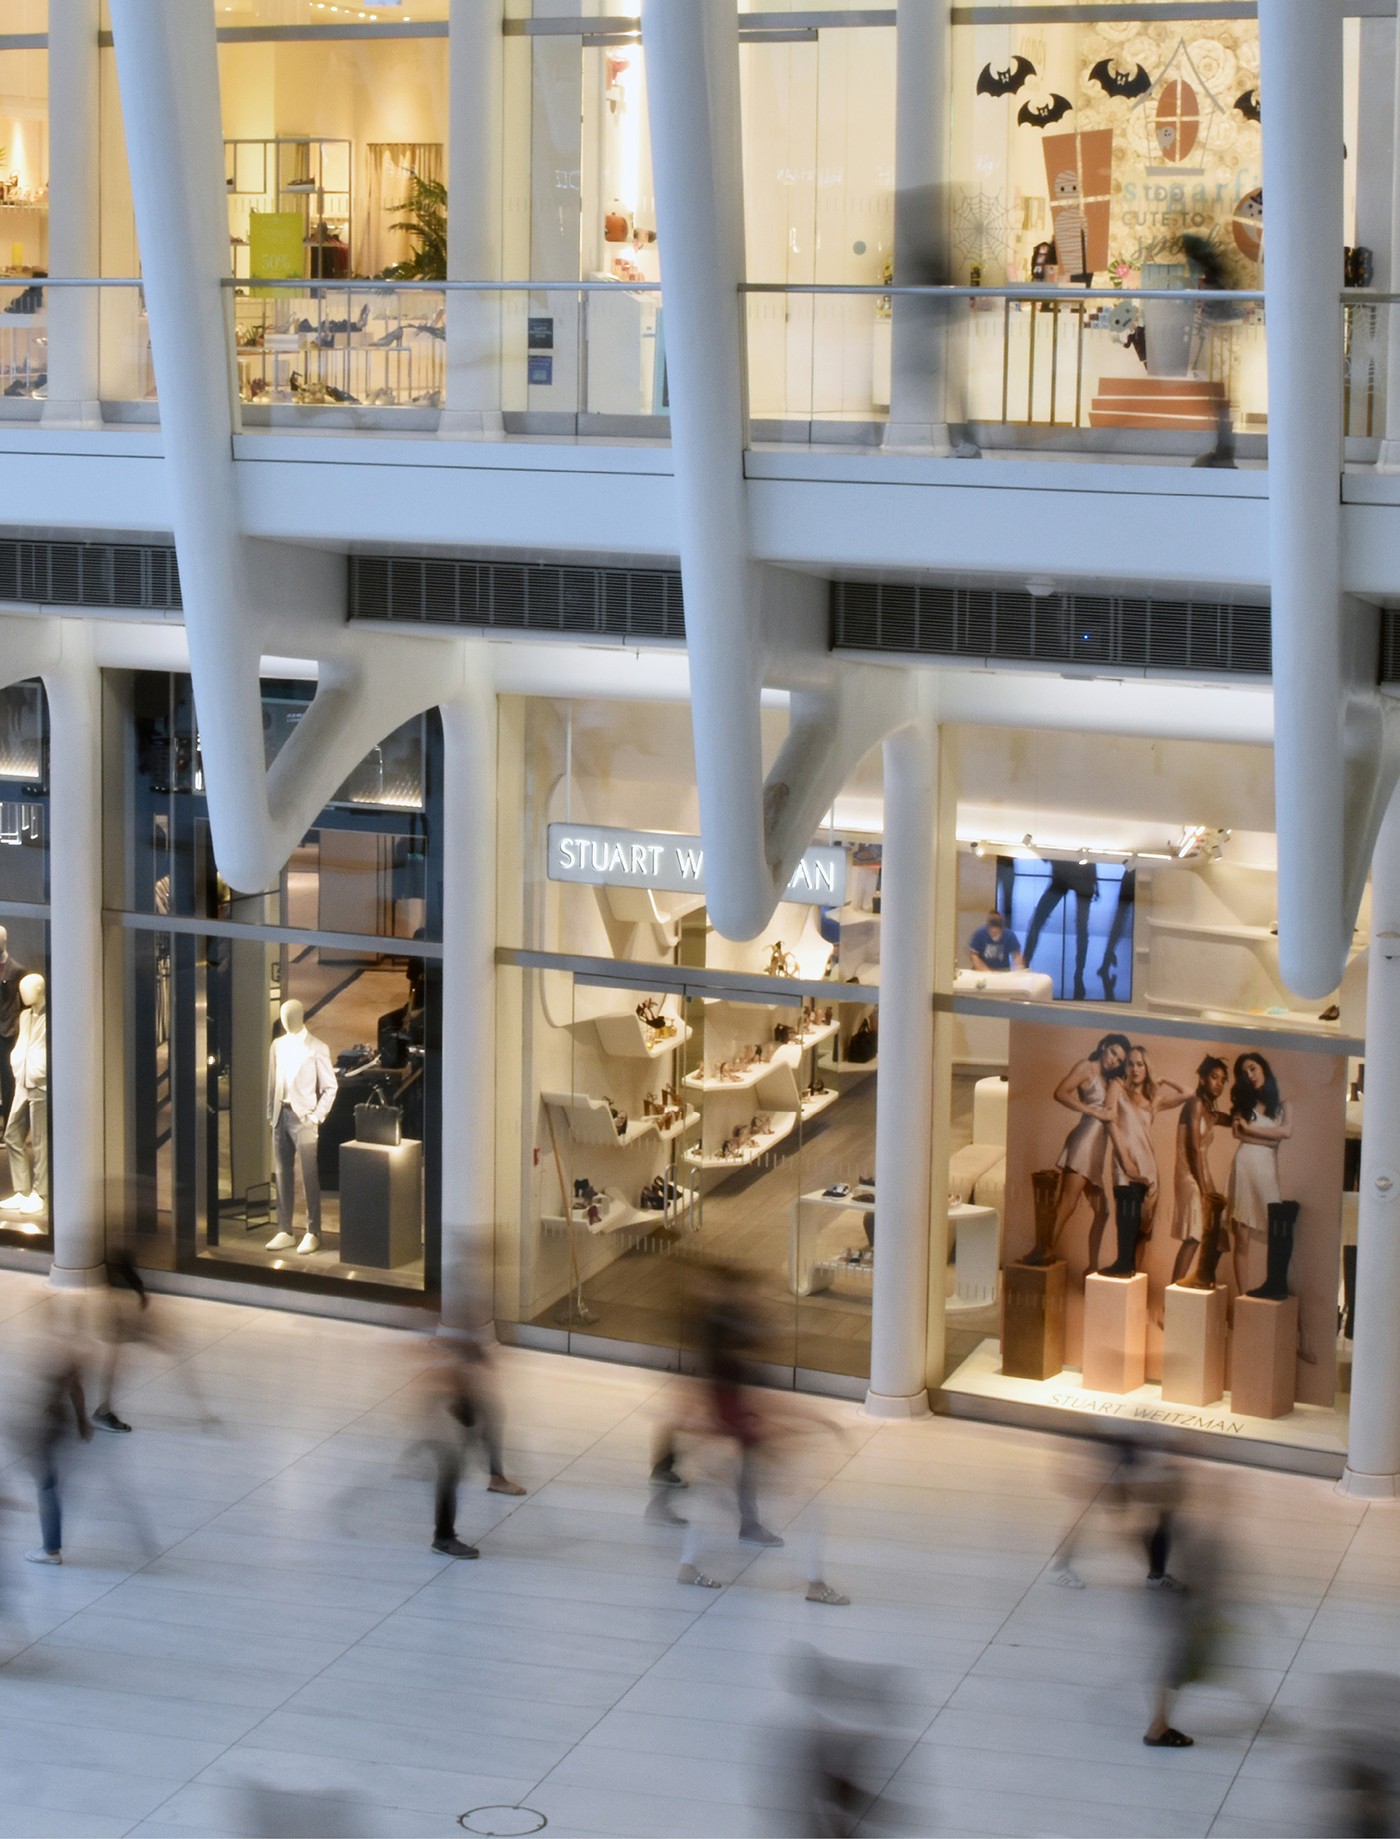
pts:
[1042, 117]
[1120, 79]
[1005, 82]
[1248, 104]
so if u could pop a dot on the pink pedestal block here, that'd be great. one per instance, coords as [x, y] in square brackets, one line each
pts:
[1115, 1333]
[1193, 1345]
[1264, 1357]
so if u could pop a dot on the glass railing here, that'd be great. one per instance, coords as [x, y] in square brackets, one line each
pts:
[587, 358]
[73, 343]
[1156, 370]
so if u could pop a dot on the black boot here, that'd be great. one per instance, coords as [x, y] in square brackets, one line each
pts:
[1283, 1215]
[1127, 1207]
[1347, 1324]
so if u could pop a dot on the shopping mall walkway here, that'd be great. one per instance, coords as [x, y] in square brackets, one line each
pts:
[294, 1659]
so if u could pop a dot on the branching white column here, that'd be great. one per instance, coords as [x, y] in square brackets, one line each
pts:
[1373, 1458]
[1389, 459]
[904, 1096]
[469, 1000]
[919, 410]
[1300, 43]
[74, 223]
[474, 127]
[75, 960]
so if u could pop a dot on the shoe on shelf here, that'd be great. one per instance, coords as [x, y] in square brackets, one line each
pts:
[309, 1243]
[754, 1534]
[688, 1574]
[455, 1548]
[1067, 1580]
[107, 1419]
[40, 1556]
[280, 1241]
[498, 1484]
[818, 1592]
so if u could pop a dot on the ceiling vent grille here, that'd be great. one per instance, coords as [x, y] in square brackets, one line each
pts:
[638, 605]
[1076, 629]
[140, 576]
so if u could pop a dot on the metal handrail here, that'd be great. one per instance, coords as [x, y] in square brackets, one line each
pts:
[1032, 291]
[373, 284]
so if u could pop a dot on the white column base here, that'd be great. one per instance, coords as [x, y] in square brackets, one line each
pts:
[1359, 1487]
[926, 437]
[485, 1335]
[471, 425]
[72, 415]
[890, 1405]
[65, 1277]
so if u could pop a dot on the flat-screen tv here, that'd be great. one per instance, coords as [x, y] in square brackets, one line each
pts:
[1075, 921]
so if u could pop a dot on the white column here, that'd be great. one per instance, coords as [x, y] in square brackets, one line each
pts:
[919, 343]
[75, 962]
[474, 179]
[1389, 460]
[904, 1096]
[1373, 1456]
[469, 1001]
[73, 214]
[1300, 44]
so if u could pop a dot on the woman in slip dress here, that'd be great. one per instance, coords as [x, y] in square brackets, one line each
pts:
[1260, 1120]
[1135, 1103]
[1085, 1090]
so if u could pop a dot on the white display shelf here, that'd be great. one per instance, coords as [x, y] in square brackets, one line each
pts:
[591, 1122]
[783, 1122]
[817, 1102]
[627, 1037]
[814, 1037]
[750, 1077]
[620, 1217]
[846, 1267]
[1233, 1018]
[1221, 934]
[828, 1063]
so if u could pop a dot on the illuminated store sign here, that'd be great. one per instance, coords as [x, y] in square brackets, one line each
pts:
[674, 864]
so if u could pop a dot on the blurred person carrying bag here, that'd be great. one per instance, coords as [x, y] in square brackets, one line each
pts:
[378, 1122]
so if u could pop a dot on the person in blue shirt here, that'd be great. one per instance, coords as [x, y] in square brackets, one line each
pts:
[994, 947]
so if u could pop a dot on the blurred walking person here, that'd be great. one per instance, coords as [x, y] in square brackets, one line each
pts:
[469, 1415]
[57, 1410]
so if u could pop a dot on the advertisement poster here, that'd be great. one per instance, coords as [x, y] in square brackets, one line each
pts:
[276, 245]
[1107, 1108]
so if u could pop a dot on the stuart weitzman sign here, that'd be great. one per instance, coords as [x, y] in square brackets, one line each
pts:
[674, 864]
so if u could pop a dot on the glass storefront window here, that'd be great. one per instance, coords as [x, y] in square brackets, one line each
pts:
[24, 954]
[280, 1107]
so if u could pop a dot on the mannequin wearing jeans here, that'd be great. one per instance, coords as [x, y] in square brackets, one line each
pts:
[27, 1131]
[300, 1092]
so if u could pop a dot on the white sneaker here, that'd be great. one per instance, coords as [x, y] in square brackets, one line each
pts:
[33, 1203]
[40, 1556]
[13, 1202]
[1065, 1578]
[280, 1241]
[309, 1244]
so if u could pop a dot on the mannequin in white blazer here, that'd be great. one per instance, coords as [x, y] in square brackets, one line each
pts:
[301, 1089]
[27, 1129]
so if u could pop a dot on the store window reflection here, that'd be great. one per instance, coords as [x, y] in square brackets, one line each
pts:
[24, 871]
[279, 1111]
[688, 1101]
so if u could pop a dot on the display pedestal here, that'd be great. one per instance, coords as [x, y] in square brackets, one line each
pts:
[1033, 1320]
[978, 1254]
[1264, 1357]
[1193, 1345]
[1115, 1333]
[380, 1204]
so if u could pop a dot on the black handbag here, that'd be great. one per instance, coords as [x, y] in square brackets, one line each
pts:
[377, 1122]
[862, 1047]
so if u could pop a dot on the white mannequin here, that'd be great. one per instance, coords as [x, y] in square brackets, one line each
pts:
[27, 1132]
[301, 1089]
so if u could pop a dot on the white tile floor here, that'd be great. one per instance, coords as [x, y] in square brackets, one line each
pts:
[285, 1655]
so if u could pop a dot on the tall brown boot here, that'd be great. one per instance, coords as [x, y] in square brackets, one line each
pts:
[1045, 1184]
[1212, 1245]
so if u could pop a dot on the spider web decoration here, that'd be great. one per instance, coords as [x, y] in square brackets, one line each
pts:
[981, 226]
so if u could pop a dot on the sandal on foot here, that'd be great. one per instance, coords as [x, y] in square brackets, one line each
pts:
[689, 1575]
[1066, 1579]
[823, 1593]
[1170, 1740]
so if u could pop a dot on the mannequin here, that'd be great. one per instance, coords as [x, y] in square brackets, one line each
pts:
[300, 1092]
[27, 1132]
[11, 971]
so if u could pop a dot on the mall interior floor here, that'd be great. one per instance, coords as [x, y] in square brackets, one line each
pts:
[250, 1634]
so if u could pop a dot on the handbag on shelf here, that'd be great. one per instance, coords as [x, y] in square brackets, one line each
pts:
[863, 1045]
[378, 1122]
